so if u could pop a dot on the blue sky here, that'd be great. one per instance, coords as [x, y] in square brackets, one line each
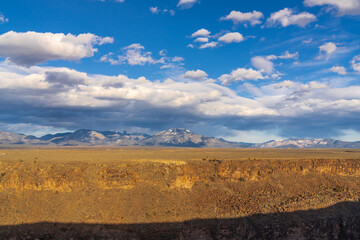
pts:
[243, 70]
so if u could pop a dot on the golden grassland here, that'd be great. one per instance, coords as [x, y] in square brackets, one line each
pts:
[176, 154]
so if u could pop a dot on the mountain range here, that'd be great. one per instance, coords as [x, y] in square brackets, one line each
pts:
[175, 137]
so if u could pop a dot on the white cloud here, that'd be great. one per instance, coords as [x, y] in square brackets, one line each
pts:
[287, 17]
[326, 50]
[241, 74]
[263, 64]
[344, 7]
[201, 33]
[190, 45]
[307, 41]
[338, 69]
[3, 19]
[197, 75]
[202, 39]
[31, 48]
[231, 37]
[293, 99]
[250, 17]
[186, 3]
[171, 12]
[286, 55]
[355, 63]
[288, 105]
[154, 10]
[209, 45]
[115, 92]
[163, 52]
[135, 54]
[266, 65]
[177, 59]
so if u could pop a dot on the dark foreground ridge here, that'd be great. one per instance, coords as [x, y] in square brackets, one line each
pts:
[340, 221]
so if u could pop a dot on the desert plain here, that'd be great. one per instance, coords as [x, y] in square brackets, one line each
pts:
[179, 193]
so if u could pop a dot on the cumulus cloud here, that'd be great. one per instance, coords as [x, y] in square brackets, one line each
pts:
[263, 64]
[185, 4]
[287, 17]
[339, 70]
[34, 96]
[355, 63]
[196, 75]
[202, 39]
[201, 33]
[237, 17]
[311, 97]
[32, 48]
[84, 94]
[343, 7]
[241, 74]
[326, 50]
[209, 45]
[231, 37]
[134, 54]
[3, 19]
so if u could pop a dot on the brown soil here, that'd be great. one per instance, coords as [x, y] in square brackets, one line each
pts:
[134, 186]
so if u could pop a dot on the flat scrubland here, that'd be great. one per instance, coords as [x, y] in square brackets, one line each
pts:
[131, 188]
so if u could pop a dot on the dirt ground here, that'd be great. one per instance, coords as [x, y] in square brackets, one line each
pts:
[169, 185]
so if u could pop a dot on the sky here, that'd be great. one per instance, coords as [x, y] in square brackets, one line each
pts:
[249, 71]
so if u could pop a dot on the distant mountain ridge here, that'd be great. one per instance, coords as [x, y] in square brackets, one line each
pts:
[174, 137]
[13, 138]
[93, 138]
[308, 143]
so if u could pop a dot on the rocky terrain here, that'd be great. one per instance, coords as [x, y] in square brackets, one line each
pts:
[175, 137]
[175, 193]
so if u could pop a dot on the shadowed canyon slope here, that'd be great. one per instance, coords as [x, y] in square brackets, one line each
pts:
[180, 193]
